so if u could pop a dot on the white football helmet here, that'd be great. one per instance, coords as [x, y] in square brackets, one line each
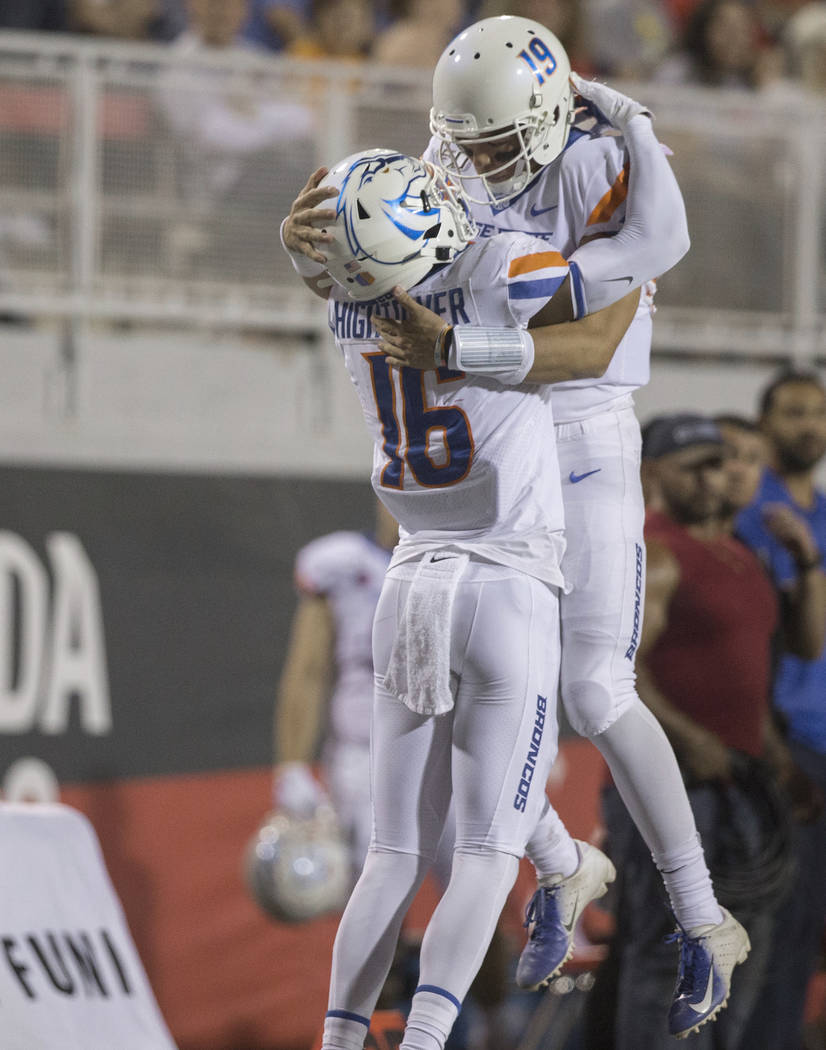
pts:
[297, 870]
[502, 83]
[396, 217]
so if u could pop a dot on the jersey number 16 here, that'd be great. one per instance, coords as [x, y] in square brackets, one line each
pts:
[409, 429]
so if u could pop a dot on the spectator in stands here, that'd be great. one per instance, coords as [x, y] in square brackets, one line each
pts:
[275, 24]
[722, 47]
[746, 457]
[33, 14]
[228, 135]
[627, 38]
[773, 16]
[793, 419]
[222, 121]
[214, 23]
[419, 32]
[565, 18]
[802, 601]
[704, 668]
[126, 19]
[804, 40]
[341, 29]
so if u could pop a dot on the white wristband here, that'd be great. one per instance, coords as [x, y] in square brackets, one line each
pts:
[302, 265]
[504, 354]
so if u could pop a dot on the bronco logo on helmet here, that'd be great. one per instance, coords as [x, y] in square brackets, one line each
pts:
[396, 217]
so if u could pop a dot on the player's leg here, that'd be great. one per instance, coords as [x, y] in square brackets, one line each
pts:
[564, 890]
[410, 774]
[646, 962]
[347, 775]
[646, 970]
[601, 624]
[504, 743]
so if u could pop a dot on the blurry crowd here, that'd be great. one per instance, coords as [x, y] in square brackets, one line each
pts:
[746, 44]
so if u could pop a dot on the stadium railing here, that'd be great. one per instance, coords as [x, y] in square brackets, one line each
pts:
[147, 183]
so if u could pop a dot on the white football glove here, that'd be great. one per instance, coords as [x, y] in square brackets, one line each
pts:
[618, 109]
[296, 792]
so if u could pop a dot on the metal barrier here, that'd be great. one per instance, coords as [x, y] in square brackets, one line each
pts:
[148, 183]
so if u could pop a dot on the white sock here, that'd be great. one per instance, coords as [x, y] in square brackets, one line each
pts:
[649, 781]
[551, 849]
[344, 1033]
[430, 1020]
[688, 883]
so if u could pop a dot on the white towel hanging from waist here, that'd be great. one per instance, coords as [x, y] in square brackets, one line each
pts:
[419, 668]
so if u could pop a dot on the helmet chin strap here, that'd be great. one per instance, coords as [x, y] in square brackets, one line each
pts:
[525, 168]
[515, 184]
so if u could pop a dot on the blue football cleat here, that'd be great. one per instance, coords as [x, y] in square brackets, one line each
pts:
[553, 913]
[708, 956]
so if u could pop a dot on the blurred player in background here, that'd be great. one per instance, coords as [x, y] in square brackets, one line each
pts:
[461, 648]
[326, 689]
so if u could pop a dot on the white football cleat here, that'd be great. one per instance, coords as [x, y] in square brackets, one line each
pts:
[708, 956]
[553, 912]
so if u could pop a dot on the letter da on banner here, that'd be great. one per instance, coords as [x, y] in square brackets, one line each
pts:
[51, 645]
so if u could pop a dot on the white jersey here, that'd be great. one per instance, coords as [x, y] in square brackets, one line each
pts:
[458, 460]
[578, 196]
[347, 568]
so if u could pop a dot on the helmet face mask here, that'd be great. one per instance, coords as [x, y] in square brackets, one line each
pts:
[396, 218]
[501, 77]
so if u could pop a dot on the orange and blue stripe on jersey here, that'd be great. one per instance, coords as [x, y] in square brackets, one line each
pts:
[536, 276]
[608, 204]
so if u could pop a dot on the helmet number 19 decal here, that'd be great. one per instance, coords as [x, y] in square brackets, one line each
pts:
[435, 443]
[542, 53]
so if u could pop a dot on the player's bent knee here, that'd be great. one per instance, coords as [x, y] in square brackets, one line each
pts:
[590, 707]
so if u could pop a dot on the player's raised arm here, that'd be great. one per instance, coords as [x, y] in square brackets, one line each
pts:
[654, 236]
[606, 273]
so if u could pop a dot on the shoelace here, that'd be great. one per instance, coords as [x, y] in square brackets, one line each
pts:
[535, 912]
[689, 946]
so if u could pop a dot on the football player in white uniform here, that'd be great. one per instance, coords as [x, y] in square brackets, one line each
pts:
[326, 688]
[507, 129]
[503, 100]
[463, 666]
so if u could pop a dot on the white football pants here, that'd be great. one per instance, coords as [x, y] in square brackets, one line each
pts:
[601, 617]
[599, 460]
[492, 752]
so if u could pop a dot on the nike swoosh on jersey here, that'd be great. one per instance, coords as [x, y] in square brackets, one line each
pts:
[574, 478]
[627, 279]
[703, 1006]
[541, 211]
